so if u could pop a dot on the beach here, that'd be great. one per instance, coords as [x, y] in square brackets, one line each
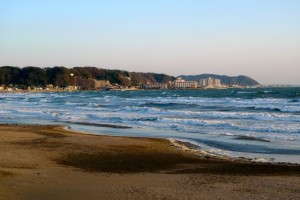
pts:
[51, 162]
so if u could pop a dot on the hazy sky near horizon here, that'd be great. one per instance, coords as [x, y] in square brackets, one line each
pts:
[258, 38]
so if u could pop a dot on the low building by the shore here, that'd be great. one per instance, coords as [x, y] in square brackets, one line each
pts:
[91, 84]
[180, 83]
[154, 86]
[101, 84]
[71, 88]
[49, 87]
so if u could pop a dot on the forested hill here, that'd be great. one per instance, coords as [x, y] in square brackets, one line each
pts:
[225, 80]
[61, 76]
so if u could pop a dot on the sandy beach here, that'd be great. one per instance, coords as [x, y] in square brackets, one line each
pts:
[49, 162]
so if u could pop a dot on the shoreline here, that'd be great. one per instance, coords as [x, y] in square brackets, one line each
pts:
[135, 89]
[190, 147]
[195, 148]
[184, 146]
[52, 162]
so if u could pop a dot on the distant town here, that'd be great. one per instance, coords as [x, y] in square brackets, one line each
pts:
[180, 83]
[92, 78]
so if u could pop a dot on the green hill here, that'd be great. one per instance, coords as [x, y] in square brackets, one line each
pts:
[61, 76]
[226, 80]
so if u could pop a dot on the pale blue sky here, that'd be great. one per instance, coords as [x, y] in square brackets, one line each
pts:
[259, 38]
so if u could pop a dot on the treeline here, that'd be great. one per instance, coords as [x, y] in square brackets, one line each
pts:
[61, 76]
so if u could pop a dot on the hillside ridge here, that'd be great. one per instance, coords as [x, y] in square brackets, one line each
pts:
[225, 80]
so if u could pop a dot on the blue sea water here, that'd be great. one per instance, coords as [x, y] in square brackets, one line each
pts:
[252, 123]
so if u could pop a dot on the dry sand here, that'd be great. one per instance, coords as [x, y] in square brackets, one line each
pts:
[47, 162]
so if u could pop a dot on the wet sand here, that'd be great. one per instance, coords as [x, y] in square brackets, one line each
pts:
[48, 162]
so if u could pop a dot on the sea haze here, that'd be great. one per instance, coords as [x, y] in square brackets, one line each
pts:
[262, 123]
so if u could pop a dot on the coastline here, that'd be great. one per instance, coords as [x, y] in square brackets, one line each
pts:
[51, 162]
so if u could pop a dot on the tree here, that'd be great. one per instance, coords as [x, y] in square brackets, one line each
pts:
[58, 76]
[33, 76]
[9, 75]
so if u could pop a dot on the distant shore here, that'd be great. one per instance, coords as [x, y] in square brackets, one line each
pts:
[50, 162]
[137, 89]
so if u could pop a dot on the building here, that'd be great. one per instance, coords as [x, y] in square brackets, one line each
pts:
[210, 83]
[203, 83]
[91, 84]
[49, 87]
[180, 83]
[154, 86]
[217, 82]
[101, 84]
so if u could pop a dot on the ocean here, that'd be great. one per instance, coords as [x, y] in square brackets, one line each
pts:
[261, 124]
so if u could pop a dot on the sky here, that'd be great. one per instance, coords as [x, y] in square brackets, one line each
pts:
[257, 38]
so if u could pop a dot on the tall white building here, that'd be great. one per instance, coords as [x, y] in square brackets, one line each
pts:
[210, 82]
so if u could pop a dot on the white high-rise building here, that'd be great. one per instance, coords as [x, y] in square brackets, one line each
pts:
[210, 82]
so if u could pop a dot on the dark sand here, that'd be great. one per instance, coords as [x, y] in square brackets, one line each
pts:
[46, 162]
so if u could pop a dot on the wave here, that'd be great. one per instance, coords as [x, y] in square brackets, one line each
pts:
[100, 125]
[249, 148]
[247, 138]
[168, 105]
[294, 101]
